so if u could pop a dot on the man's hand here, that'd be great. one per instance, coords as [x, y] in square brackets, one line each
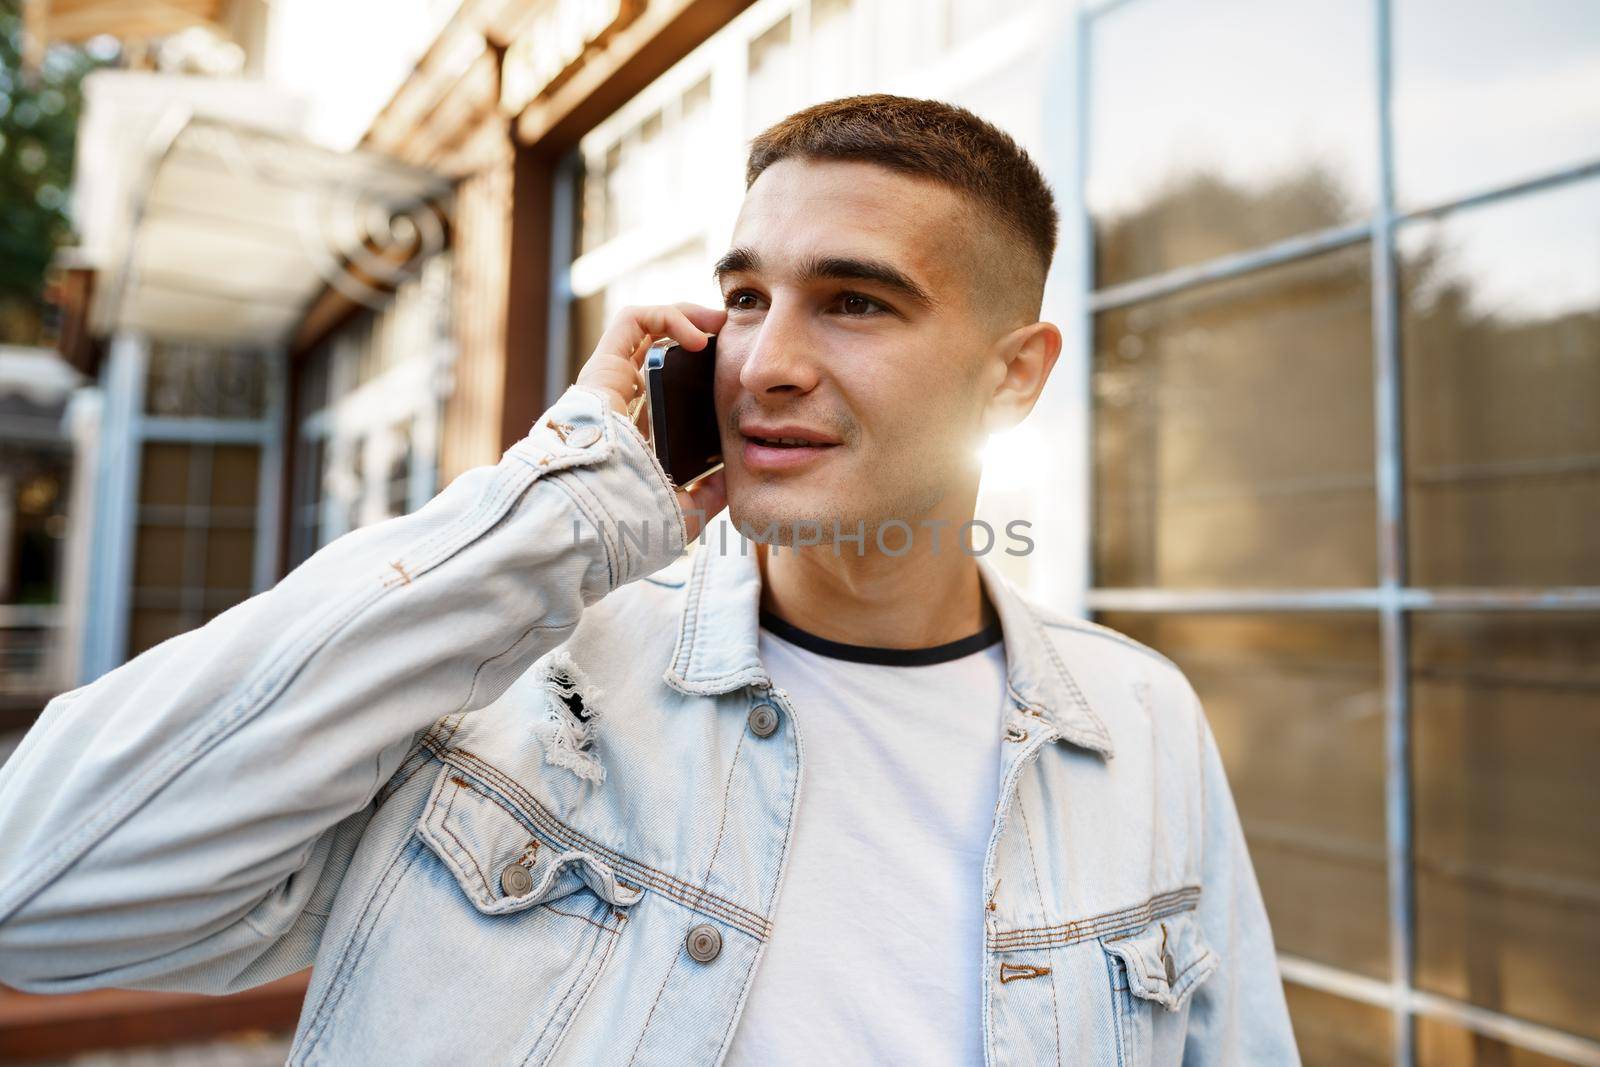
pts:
[614, 369]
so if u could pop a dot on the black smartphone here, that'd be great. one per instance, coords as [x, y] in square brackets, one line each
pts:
[683, 411]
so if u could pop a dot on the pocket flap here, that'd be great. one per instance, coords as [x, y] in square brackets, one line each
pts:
[501, 865]
[1166, 959]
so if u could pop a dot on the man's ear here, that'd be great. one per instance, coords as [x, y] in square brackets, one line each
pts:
[1027, 354]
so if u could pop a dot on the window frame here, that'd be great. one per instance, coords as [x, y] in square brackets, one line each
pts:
[1393, 598]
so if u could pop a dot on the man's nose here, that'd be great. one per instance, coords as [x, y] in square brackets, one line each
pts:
[780, 359]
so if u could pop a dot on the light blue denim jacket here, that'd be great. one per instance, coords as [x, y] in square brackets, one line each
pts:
[492, 769]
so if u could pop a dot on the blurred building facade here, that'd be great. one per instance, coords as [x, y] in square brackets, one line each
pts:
[1326, 430]
[36, 485]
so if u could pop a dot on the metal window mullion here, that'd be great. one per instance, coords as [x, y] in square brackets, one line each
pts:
[1536, 184]
[1535, 1037]
[182, 428]
[1389, 458]
[1080, 177]
[1222, 268]
[197, 526]
[1402, 599]
[1301, 246]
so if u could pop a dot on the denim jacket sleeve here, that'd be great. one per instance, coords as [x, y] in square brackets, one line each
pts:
[183, 821]
[1238, 1016]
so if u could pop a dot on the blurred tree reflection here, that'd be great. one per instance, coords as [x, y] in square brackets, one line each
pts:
[1198, 216]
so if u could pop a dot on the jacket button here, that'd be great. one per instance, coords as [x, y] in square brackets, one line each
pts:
[1172, 972]
[583, 436]
[763, 720]
[704, 942]
[516, 880]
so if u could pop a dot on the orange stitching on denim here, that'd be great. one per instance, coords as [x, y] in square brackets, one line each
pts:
[577, 981]
[690, 896]
[1156, 902]
[392, 786]
[1110, 925]
[651, 1013]
[585, 918]
[1027, 836]
[444, 824]
[727, 787]
[673, 887]
[1015, 972]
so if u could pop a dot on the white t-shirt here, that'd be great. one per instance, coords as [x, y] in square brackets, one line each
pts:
[877, 943]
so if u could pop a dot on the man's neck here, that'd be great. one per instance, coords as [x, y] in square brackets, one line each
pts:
[917, 600]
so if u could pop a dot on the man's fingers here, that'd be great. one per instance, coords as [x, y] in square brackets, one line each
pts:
[615, 364]
[701, 500]
[709, 320]
[630, 335]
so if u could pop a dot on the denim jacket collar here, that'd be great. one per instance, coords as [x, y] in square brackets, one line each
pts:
[717, 649]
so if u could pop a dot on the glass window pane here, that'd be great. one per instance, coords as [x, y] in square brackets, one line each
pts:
[230, 558]
[234, 469]
[592, 192]
[1233, 432]
[164, 474]
[1334, 1032]
[1502, 391]
[617, 187]
[1222, 125]
[1506, 713]
[159, 556]
[1296, 705]
[832, 67]
[216, 601]
[1440, 1044]
[1487, 94]
[697, 197]
[772, 77]
[149, 627]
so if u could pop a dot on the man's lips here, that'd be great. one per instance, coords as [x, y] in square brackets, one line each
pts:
[760, 454]
[787, 433]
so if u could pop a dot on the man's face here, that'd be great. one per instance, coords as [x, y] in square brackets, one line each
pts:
[816, 344]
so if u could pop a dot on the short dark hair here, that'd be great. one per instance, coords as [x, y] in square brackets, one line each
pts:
[926, 138]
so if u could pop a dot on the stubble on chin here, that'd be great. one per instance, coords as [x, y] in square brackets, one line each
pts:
[763, 517]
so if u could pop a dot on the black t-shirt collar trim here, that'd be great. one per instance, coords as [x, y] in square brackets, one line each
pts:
[890, 657]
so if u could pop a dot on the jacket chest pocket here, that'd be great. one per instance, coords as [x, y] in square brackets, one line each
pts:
[1154, 972]
[480, 942]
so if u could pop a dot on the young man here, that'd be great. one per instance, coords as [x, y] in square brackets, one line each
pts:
[524, 793]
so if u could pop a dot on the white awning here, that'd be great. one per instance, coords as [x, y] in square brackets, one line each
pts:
[236, 230]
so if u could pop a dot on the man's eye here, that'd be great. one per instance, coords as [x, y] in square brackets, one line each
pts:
[858, 306]
[733, 298]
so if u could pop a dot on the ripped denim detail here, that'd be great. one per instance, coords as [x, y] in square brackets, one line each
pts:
[568, 731]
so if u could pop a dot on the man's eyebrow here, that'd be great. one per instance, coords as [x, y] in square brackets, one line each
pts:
[742, 260]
